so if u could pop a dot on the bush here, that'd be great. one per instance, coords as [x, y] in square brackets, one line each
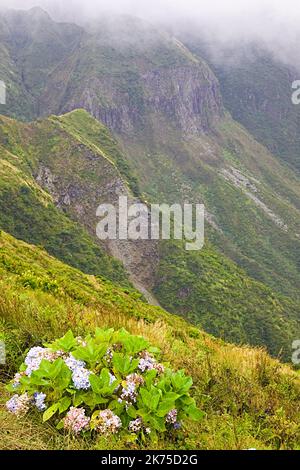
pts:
[106, 383]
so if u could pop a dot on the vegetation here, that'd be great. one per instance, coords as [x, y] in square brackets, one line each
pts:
[108, 383]
[209, 290]
[79, 153]
[249, 399]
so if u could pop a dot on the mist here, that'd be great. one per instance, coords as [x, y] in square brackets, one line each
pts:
[274, 24]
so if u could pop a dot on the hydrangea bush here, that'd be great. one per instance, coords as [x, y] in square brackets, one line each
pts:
[108, 383]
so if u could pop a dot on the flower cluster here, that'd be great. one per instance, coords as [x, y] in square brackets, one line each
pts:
[109, 355]
[81, 389]
[81, 341]
[80, 375]
[171, 418]
[17, 378]
[108, 422]
[137, 425]
[19, 404]
[39, 401]
[36, 355]
[129, 390]
[80, 378]
[75, 420]
[148, 362]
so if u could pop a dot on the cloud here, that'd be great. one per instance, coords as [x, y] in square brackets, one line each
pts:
[273, 23]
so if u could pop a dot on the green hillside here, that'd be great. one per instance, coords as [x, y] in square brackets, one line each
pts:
[164, 106]
[31, 214]
[52, 167]
[249, 399]
[257, 90]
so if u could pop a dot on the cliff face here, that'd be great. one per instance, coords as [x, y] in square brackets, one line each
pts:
[122, 71]
[187, 97]
[122, 81]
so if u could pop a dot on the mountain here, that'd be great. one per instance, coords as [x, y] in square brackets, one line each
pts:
[123, 108]
[164, 106]
[54, 174]
[249, 399]
[257, 90]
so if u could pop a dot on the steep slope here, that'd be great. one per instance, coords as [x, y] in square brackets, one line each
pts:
[164, 106]
[257, 90]
[31, 47]
[55, 172]
[250, 400]
[30, 213]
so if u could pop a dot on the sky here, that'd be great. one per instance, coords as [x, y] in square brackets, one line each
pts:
[275, 23]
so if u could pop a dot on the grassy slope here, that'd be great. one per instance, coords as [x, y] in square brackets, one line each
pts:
[250, 399]
[211, 291]
[205, 287]
[30, 213]
[216, 293]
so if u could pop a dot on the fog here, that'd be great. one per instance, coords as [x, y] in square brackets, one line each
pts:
[272, 23]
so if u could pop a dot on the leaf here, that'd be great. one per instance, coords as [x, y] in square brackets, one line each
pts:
[181, 382]
[132, 413]
[194, 413]
[78, 399]
[50, 412]
[149, 377]
[123, 365]
[165, 407]
[92, 353]
[103, 336]
[64, 404]
[60, 425]
[66, 343]
[157, 423]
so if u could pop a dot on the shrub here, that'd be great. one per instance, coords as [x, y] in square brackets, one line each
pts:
[107, 383]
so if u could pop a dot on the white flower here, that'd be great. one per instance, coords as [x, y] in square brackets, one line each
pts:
[76, 421]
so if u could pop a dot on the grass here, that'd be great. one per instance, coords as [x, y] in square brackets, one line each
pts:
[250, 400]
[82, 158]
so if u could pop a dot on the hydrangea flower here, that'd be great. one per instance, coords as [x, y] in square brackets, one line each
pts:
[73, 363]
[80, 375]
[80, 378]
[136, 379]
[171, 417]
[36, 355]
[76, 421]
[147, 362]
[112, 379]
[108, 423]
[129, 393]
[17, 378]
[108, 355]
[159, 367]
[81, 341]
[129, 390]
[136, 425]
[18, 404]
[39, 401]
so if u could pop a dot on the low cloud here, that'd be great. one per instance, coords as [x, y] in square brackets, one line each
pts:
[273, 23]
